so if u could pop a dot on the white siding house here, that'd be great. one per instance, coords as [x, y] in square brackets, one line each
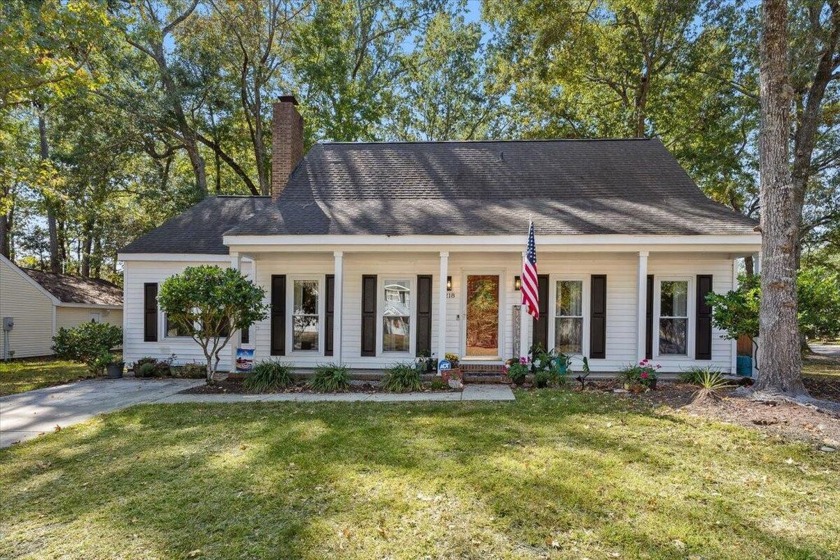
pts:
[373, 253]
[40, 303]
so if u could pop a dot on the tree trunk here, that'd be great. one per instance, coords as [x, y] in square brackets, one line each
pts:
[52, 222]
[749, 265]
[6, 224]
[779, 353]
[86, 247]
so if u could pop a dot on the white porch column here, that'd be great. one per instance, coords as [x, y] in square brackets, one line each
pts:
[236, 339]
[757, 263]
[641, 328]
[734, 345]
[523, 319]
[441, 339]
[235, 261]
[338, 304]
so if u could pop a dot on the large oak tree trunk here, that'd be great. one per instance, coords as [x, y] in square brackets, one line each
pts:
[52, 220]
[781, 362]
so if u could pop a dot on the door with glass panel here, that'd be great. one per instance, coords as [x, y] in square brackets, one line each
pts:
[568, 317]
[482, 316]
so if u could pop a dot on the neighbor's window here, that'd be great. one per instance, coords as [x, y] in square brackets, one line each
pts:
[396, 316]
[568, 317]
[305, 318]
[673, 317]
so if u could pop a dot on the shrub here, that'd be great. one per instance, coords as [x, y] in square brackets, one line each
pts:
[87, 343]
[437, 384]
[330, 378]
[401, 378]
[147, 369]
[454, 359]
[152, 367]
[542, 378]
[190, 371]
[517, 370]
[268, 376]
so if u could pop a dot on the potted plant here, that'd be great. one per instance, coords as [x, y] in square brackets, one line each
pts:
[517, 370]
[426, 362]
[113, 367]
[455, 372]
[641, 376]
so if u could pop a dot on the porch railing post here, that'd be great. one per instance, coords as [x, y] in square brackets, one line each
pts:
[337, 307]
[641, 329]
[441, 338]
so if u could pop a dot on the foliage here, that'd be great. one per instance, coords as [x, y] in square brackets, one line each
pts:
[190, 371]
[643, 373]
[542, 378]
[87, 343]
[454, 359]
[695, 375]
[152, 367]
[210, 304]
[401, 378]
[330, 378]
[517, 369]
[818, 289]
[268, 376]
[586, 371]
[437, 384]
[711, 383]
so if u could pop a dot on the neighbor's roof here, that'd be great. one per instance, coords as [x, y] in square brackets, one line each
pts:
[74, 289]
[199, 229]
[492, 188]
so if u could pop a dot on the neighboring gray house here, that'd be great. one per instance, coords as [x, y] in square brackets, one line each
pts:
[373, 253]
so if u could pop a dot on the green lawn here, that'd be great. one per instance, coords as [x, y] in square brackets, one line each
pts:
[817, 364]
[25, 375]
[554, 475]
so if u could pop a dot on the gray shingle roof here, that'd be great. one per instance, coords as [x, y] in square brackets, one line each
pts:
[74, 289]
[199, 229]
[492, 188]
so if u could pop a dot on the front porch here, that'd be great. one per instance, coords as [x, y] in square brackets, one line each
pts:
[371, 306]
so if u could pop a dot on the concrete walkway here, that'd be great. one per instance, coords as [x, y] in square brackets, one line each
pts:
[26, 415]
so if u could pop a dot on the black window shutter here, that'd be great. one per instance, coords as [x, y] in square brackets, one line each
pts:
[278, 314]
[598, 317]
[150, 312]
[541, 325]
[369, 315]
[703, 332]
[329, 315]
[423, 342]
[245, 336]
[649, 323]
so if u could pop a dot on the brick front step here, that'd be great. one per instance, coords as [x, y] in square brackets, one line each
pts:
[485, 378]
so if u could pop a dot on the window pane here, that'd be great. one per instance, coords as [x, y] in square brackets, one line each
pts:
[396, 311]
[569, 298]
[173, 330]
[305, 332]
[306, 297]
[568, 335]
[395, 334]
[673, 334]
[674, 299]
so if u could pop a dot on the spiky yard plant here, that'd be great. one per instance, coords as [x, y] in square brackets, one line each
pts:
[268, 376]
[711, 383]
[402, 378]
[330, 378]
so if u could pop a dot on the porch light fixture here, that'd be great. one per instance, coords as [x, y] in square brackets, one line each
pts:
[517, 283]
[448, 283]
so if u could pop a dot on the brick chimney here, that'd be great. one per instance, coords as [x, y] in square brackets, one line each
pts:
[287, 142]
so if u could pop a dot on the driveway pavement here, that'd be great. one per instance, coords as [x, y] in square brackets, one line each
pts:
[832, 350]
[26, 415]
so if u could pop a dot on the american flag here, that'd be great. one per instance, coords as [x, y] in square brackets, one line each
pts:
[530, 295]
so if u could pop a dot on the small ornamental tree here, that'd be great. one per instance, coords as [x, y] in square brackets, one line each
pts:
[211, 304]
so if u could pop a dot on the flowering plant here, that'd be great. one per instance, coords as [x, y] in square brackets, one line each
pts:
[643, 373]
[516, 370]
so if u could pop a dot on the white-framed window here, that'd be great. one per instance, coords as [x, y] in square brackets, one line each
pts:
[569, 316]
[673, 310]
[171, 330]
[307, 310]
[396, 310]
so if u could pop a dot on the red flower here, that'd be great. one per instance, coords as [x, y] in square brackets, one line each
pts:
[644, 375]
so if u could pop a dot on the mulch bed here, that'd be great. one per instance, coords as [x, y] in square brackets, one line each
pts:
[236, 386]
